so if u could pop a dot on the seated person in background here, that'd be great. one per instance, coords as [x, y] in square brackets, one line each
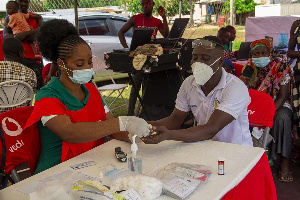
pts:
[68, 110]
[232, 31]
[273, 77]
[50, 70]
[228, 66]
[218, 101]
[18, 24]
[36, 64]
[224, 35]
[12, 69]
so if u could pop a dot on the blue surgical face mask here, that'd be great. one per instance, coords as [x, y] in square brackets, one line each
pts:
[261, 62]
[81, 76]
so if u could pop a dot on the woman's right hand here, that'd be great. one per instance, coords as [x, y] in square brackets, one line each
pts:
[135, 126]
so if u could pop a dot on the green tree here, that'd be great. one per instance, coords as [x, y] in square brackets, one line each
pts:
[242, 8]
[58, 4]
[171, 6]
[93, 3]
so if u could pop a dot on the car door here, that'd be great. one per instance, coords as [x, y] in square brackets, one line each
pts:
[101, 33]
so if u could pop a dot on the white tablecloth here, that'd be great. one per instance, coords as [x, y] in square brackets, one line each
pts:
[239, 160]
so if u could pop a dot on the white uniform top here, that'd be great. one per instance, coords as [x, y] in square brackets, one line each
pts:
[230, 96]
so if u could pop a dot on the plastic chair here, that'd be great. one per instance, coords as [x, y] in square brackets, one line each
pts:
[15, 93]
[17, 146]
[261, 111]
[99, 65]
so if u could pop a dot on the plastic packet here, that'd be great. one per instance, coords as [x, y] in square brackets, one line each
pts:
[56, 187]
[182, 179]
[124, 179]
[109, 173]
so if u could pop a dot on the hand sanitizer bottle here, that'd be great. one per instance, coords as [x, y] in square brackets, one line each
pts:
[134, 161]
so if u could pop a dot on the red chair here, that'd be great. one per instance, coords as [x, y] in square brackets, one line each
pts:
[1, 51]
[238, 69]
[17, 146]
[261, 111]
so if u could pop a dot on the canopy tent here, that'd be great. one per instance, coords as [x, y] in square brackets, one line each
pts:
[259, 27]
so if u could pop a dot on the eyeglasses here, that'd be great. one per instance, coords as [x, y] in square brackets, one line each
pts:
[206, 44]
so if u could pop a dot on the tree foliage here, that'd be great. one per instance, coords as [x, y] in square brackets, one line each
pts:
[240, 6]
[171, 6]
[134, 6]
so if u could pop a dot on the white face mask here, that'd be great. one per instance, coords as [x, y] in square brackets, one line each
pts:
[203, 72]
[81, 76]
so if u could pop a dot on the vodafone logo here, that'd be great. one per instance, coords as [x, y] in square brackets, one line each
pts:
[9, 132]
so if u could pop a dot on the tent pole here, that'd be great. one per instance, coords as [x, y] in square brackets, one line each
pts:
[180, 8]
[76, 13]
[231, 13]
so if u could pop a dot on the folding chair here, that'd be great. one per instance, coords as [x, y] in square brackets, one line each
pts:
[17, 145]
[15, 93]
[261, 112]
[99, 65]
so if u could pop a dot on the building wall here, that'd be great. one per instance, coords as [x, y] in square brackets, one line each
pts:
[277, 10]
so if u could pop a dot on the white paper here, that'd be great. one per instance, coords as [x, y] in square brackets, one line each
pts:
[180, 187]
[131, 195]
[257, 132]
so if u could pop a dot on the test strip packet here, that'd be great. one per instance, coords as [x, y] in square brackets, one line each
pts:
[83, 165]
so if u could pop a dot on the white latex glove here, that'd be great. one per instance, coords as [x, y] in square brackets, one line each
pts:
[135, 126]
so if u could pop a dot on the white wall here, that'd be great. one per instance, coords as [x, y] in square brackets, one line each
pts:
[277, 10]
[267, 10]
[3, 5]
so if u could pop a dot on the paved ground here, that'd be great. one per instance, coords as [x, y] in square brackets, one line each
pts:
[287, 191]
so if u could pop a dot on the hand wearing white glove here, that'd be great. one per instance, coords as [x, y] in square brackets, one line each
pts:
[135, 126]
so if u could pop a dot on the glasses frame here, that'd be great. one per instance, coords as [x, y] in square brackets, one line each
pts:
[201, 42]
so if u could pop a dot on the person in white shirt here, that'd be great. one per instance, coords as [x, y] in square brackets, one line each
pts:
[217, 99]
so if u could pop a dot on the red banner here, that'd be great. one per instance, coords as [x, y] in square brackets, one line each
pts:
[1, 41]
[20, 144]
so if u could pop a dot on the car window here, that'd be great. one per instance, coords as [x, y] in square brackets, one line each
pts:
[96, 27]
[118, 24]
[82, 28]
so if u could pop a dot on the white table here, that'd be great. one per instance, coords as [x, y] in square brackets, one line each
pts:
[239, 160]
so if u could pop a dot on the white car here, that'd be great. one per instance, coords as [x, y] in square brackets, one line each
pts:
[98, 29]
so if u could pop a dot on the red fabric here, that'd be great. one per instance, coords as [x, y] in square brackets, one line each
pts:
[21, 144]
[142, 22]
[1, 41]
[92, 112]
[238, 69]
[27, 48]
[258, 184]
[46, 70]
[261, 109]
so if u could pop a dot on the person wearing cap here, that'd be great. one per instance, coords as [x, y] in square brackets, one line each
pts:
[274, 78]
[217, 99]
[228, 66]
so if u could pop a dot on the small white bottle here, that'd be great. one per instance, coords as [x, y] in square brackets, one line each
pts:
[134, 161]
